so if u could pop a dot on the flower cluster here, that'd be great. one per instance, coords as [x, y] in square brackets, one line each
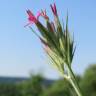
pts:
[56, 39]
[58, 43]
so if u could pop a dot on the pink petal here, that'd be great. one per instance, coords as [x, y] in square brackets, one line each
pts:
[38, 15]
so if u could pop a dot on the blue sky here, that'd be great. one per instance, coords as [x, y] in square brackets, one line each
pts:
[20, 50]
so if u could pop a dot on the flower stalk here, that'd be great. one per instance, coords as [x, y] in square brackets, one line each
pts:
[73, 82]
[58, 43]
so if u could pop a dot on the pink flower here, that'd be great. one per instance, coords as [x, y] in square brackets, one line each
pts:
[54, 10]
[43, 14]
[38, 15]
[32, 19]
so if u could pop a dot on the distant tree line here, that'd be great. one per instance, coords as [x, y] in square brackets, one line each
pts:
[36, 86]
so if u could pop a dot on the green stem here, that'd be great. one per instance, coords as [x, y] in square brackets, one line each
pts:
[73, 81]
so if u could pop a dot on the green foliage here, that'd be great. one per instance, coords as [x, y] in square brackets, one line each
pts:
[32, 87]
[88, 82]
[9, 90]
[35, 86]
[59, 88]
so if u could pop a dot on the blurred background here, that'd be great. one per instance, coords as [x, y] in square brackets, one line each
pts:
[23, 63]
